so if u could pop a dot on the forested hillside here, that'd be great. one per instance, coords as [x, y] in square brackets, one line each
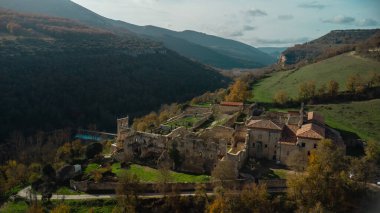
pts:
[58, 73]
[207, 49]
[334, 43]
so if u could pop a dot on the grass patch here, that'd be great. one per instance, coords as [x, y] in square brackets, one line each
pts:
[337, 68]
[14, 207]
[187, 122]
[90, 168]
[275, 174]
[67, 191]
[205, 104]
[361, 118]
[147, 174]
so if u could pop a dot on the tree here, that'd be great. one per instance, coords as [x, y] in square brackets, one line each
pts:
[224, 171]
[254, 198]
[164, 179]
[332, 88]
[281, 97]
[353, 81]
[325, 181]
[93, 149]
[306, 90]
[127, 193]
[322, 90]
[238, 92]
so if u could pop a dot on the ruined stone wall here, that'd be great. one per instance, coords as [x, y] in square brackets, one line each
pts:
[227, 109]
[198, 155]
[145, 145]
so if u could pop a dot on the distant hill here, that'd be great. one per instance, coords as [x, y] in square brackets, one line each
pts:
[207, 49]
[275, 52]
[334, 43]
[337, 68]
[59, 73]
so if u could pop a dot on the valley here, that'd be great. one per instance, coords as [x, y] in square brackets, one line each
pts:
[181, 112]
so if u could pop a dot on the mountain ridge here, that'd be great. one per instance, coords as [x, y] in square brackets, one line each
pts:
[244, 56]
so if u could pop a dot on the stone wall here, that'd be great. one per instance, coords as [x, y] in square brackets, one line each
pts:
[262, 143]
[90, 186]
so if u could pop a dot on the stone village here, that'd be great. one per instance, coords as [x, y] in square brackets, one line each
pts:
[229, 131]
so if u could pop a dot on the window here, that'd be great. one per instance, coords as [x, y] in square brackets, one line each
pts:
[266, 146]
[253, 144]
[275, 146]
[303, 144]
[275, 152]
[308, 153]
[315, 146]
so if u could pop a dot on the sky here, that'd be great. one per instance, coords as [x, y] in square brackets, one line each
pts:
[260, 23]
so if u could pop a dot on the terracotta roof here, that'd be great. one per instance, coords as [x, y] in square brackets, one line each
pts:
[289, 134]
[263, 124]
[313, 116]
[224, 103]
[311, 131]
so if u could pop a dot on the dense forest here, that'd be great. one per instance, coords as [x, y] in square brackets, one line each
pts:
[57, 73]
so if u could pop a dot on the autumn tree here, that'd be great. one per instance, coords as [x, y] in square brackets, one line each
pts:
[238, 92]
[253, 198]
[281, 97]
[332, 88]
[326, 180]
[306, 90]
[322, 90]
[353, 83]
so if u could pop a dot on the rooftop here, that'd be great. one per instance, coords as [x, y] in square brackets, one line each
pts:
[263, 124]
[236, 104]
[311, 131]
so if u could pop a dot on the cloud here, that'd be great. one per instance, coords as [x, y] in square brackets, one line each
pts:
[281, 41]
[312, 5]
[285, 17]
[256, 12]
[340, 20]
[367, 22]
[248, 28]
[238, 33]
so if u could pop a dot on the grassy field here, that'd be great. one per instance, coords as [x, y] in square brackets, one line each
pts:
[337, 68]
[147, 174]
[361, 118]
[75, 206]
[187, 121]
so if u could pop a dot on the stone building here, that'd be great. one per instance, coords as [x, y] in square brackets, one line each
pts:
[274, 136]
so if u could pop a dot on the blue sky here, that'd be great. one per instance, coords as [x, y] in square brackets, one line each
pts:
[255, 22]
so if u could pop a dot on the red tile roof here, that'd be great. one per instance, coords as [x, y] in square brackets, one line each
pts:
[313, 116]
[289, 134]
[225, 103]
[311, 131]
[263, 124]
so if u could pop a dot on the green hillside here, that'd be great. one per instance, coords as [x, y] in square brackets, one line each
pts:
[361, 118]
[337, 68]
